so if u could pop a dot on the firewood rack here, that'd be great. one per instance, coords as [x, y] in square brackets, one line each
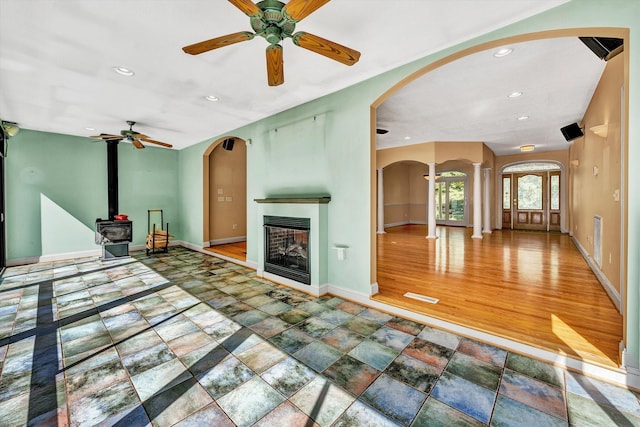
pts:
[157, 238]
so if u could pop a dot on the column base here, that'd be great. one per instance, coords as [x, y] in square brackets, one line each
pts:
[476, 237]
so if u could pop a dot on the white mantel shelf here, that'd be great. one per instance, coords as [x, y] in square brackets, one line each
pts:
[295, 199]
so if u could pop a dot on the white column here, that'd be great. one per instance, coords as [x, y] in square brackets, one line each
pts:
[380, 226]
[477, 203]
[486, 203]
[431, 203]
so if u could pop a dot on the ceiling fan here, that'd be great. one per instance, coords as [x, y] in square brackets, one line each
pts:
[129, 135]
[275, 21]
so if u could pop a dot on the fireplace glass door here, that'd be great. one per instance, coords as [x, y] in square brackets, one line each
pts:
[287, 248]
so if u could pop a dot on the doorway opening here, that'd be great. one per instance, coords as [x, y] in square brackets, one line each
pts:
[451, 198]
[532, 196]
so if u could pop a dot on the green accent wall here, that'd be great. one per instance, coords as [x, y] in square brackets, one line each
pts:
[56, 187]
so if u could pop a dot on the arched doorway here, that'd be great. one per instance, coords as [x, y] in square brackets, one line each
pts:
[225, 197]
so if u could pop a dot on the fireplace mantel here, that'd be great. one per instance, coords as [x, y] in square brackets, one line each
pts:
[296, 199]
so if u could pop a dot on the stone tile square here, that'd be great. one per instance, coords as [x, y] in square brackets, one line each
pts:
[360, 414]
[294, 316]
[276, 307]
[286, 415]
[534, 393]
[509, 412]
[225, 376]
[405, 325]
[288, 376]
[362, 326]
[375, 316]
[394, 399]
[436, 355]
[440, 337]
[241, 340]
[351, 307]
[160, 378]
[269, 327]
[323, 401]
[104, 403]
[351, 374]
[475, 370]
[291, 340]
[89, 382]
[171, 330]
[603, 393]
[374, 354]
[262, 356]
[188, 343]
[258, 300]
[174, 404]
[482, 351]
[248, 318]
[137, 363]
[335, 316]
[587, 412]
[313, 307]
[138, 342]
[343, 339]
[472, 399]
[317, 355]
[316, 327]
[414, 372]
[536, 369]
[251, 401]
[210, 415]
[436, 414]
[223, 329]
[393, 338]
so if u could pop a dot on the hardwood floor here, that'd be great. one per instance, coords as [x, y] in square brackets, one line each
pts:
[236, 250]
[530, 287]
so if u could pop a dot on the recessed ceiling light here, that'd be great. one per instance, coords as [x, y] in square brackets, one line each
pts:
[123, 71]
[89, 128]
[502, 52]
[515, 94]
[406, 138]
[523, 117]
[527, 148]
[211, 98]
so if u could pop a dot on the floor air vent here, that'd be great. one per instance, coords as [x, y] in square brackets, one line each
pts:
[424, 298]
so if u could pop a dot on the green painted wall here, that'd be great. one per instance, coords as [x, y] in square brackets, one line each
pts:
[56, 187]
[342, 166]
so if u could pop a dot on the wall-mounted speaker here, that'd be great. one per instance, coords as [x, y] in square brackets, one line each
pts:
[227, 144]
[572, 131]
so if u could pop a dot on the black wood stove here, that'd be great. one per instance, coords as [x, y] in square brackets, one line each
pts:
[113, 234]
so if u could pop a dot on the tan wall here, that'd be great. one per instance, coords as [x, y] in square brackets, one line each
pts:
[396, 193]
[596, 170]
[228, 192]
[418, 193]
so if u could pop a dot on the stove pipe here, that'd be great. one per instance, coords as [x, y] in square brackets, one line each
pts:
[112, 178]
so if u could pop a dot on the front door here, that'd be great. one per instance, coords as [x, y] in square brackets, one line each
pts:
[450, 201]
[530, 201]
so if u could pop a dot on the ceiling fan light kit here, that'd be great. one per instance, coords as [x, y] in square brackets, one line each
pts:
[274, 21]
[129, 135]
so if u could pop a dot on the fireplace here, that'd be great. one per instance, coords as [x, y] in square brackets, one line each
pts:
[287, 247]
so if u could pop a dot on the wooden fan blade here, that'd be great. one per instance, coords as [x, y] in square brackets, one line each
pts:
[106, 136]
[297, 10]
[137, 143]
[275, 65]
[207, 45]
[164, 144]
[247, 7]
[138, 135]
[326, 48]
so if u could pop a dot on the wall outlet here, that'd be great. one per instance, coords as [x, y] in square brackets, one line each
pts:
[234, 226]
[228, 199]
[220, 191]
[221, 198]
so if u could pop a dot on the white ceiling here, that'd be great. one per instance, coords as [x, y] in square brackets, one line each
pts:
[56, 61]
[468, 99]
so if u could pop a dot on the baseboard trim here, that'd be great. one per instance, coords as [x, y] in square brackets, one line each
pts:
[227, 240]
[604, 281]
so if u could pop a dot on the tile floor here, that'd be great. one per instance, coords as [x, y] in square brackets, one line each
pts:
[187, 339]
